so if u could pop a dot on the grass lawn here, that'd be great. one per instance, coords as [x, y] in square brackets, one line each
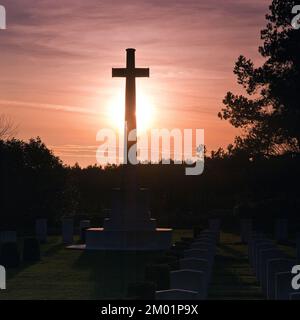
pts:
[233, 277]
[72, 274]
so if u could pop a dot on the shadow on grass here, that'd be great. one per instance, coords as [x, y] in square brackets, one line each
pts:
[112, 271]
[235, 253]
[232, 277]
[50, 251]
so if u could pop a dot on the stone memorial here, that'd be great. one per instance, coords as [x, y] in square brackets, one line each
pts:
[130, 226]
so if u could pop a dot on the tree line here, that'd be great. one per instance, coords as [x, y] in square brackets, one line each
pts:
[257, 175]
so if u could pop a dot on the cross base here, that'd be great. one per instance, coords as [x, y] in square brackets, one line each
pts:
[128, 240]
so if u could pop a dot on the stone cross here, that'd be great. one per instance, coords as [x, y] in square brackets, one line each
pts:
[130, 73]
[130, 184]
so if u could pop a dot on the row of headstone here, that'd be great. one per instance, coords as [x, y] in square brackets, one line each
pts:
[191, 281]
[41, 231]
[272, 267]
[8, 237]
[67, 230]
[280, 232]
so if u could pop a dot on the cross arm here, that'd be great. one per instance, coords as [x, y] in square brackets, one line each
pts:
[119, 72]
[142, 72]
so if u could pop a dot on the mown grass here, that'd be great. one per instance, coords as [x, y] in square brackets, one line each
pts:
[233, 277]
[74, 274]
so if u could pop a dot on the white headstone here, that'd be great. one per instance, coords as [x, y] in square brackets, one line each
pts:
[283, 285]
[2, 278]
[190, 280]
[265, 256]
[41, 229]
[197, 264]
[68, 230]
[176, 294]
[276, 266]
[8, 236]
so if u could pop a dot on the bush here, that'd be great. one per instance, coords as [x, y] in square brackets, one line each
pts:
[142, 290]
[31, 250]
[9, 256]
[159, 274]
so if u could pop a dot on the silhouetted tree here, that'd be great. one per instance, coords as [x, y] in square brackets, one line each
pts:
[270, 113]
[7, 128]
[34, 183]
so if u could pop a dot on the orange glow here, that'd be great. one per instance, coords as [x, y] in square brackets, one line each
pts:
[145, 112]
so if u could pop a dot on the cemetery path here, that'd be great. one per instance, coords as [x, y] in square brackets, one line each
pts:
[233, 278]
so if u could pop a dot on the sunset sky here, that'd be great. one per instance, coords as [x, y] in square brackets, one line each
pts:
[56, 60]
